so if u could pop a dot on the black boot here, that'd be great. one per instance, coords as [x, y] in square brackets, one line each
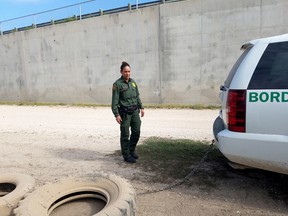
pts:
[134, 155]
[130, 159]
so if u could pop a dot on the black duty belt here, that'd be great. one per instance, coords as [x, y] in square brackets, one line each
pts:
[129, 110]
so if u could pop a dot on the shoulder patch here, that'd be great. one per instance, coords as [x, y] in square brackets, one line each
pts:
[134, 85]
[114, 87]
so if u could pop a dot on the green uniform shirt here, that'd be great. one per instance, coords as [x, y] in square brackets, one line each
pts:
[125, 94]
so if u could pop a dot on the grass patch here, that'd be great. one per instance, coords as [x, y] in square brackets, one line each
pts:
[165, 161]
[30, 103]
[172, 149]
[151, 106]
[172, 159]
[182, 106]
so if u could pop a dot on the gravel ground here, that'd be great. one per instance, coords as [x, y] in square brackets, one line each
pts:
[52, 143]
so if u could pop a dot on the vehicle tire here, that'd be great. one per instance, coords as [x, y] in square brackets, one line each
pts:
[218, 126]
[13, 187]
[118, 195]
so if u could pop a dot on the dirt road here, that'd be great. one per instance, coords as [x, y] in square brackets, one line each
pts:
[52, 143]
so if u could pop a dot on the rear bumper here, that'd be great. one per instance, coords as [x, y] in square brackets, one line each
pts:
[268, 152]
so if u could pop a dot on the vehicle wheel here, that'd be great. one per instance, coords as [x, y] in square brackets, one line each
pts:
[218, 126]
[13, 187]
[115, 194]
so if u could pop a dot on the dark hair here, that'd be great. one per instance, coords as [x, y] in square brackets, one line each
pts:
[123, 65]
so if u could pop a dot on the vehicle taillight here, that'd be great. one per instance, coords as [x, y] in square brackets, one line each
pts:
[236, 110]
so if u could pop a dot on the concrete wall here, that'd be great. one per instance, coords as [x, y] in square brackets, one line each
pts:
[179, 52]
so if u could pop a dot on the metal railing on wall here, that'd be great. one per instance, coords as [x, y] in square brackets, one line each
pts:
[79, 16]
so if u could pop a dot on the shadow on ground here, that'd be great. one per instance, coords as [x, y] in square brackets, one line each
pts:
[168, 160]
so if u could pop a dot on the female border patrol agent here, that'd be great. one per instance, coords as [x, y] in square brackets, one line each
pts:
[126, 105]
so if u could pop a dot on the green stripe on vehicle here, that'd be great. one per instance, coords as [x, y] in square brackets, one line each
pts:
[273, 97]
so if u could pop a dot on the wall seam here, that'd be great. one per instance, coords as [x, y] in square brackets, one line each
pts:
[160, 55]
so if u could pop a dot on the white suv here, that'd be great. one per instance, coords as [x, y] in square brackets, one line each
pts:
[252, 128]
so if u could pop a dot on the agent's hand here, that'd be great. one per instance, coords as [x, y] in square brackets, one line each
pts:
[142, 112]
[119, 119]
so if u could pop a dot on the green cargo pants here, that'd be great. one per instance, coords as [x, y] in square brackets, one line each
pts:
[128, 143]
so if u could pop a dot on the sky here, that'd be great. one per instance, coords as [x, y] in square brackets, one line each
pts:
[10, 9]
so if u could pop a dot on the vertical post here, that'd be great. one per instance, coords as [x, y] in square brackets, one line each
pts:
[136, 4]
[80, 11]
[1, 28]
[35, 24]
[129, 7]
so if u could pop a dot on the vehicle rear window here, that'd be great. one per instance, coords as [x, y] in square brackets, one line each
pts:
[272, 69]
[235, 67]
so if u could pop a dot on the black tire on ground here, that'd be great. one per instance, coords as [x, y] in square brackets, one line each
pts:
[13, 187]
[118, 195]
